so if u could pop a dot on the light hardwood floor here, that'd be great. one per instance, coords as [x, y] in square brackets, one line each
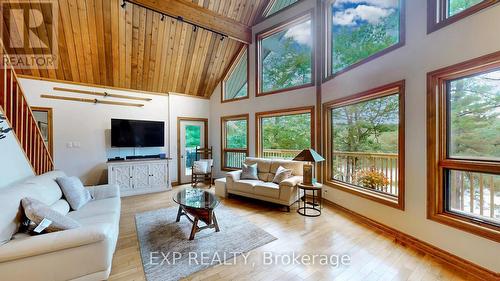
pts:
[374, 256]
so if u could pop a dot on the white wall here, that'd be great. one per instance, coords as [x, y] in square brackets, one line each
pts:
[472, 37]
[82, 130]
[14, 166]
[469, 38]
[296, 98]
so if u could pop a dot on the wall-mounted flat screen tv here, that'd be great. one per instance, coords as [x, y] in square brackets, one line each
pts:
[137, 133]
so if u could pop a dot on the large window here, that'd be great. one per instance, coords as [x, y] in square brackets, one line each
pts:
[235, 82]
[234, 138]
[284, 56]
[275, 6]
[365, 143]
[444, 12]
[464, 146]
[282, 134]
[363, 29]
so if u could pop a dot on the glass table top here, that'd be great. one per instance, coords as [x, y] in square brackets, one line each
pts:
[196, 198]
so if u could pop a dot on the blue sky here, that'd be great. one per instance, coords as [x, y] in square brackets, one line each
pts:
[356, 12]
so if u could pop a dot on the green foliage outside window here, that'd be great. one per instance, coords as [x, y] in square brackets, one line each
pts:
[475, 116]
[361, 29]
[193, 136]
[287, 132]
[286, 58]
[236, 134]
[457, 6]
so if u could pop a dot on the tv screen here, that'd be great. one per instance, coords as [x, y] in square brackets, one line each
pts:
[137, 133]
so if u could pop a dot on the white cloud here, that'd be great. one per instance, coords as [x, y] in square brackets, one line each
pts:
[376, 3]
[371, 14]
[301, 33]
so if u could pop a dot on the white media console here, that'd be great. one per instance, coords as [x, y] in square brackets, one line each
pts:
[139, 176]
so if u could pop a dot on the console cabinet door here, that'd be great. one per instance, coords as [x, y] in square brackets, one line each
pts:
[122, 175]
[158, 174]
[141, 176]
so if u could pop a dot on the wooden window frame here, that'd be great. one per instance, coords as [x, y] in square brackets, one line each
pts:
[328, 44]
[223, 137]
[437, 159]
[234, 62]
[437, 16]
[282, 112]
[379, 92]
[303, 17]
[268, 6]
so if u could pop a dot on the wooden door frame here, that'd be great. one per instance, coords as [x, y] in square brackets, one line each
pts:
[179, 120]
[50, 125]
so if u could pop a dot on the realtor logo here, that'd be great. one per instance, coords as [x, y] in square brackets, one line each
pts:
[29, 35]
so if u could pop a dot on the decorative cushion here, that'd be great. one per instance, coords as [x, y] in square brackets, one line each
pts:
[249, 172]
[74, 191]
[282, 174]
[200, 167]
[36, 211]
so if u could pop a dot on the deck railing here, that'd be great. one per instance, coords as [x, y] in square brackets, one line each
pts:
[20, 117]
[234, 158]
[280, 153]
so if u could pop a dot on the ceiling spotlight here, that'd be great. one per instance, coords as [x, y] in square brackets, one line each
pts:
[195, 28]
[162, 17]
[123, 4]
[222, 38]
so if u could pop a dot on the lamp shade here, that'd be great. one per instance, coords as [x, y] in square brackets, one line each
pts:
[309, 155]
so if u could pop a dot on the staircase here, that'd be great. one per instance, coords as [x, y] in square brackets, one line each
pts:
[19, 117]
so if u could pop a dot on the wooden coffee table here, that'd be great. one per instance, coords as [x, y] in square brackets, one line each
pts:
[200, 204]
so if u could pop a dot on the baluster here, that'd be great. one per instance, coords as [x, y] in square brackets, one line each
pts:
[481, 200]
[462, 191]
[471, 192]
[492, 197]
[2, 85]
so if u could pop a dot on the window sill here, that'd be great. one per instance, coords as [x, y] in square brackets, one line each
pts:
[387, 200]
[465, 224]
[259, 94]
[236, 99]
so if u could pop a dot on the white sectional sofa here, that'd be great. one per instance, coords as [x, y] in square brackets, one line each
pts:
[83, 253]
[264, 189]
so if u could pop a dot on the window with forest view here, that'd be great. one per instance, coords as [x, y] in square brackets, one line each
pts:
[444, 12]
[285, 56]
[283, 135]
[463, 145]
[361, 29]
[277, 5]
[365, 155]
[234, 140]
[235, 85]
[473, 134]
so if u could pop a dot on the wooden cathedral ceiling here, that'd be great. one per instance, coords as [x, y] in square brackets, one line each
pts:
[103, 44]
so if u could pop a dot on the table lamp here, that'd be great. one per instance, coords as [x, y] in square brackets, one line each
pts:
[312, 157]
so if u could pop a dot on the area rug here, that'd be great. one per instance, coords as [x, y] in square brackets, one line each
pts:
[168, 254]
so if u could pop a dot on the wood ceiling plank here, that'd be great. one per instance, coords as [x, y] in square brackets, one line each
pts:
[84, 31]
[186, 63]
[122, 36]
[128, 46]
[204, 17]
[152, 55]
[101, 48]
[164, 51]
[204, 58]
[115, 41]
[75, 30]
[65, 71]
[147, 47]
[155, 72]
[92, 35]
[141, 43]
[195, 62]
[170, 58]
[180, 58]
[42, 34]
[135, 43]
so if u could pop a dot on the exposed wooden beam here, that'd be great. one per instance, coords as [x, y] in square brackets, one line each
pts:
[193, 13]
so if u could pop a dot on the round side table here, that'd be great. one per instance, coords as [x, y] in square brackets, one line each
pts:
[313, 207]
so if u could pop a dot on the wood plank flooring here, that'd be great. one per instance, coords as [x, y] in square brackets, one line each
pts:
[373, 255]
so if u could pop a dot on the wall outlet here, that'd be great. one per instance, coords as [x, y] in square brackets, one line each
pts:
[69, 145]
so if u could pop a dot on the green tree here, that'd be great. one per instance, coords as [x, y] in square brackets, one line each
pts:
[236, 134]
[456, 6]
[193, 134]
[287, 132]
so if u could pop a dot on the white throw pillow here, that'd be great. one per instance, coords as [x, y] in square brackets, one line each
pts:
[74, 192]
[200, 167]
[210, 162]
[282, 174]
[36, 211]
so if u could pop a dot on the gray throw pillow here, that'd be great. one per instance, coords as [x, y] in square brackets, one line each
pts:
[74, 192]
[249, 172]
[282, 174]
[36, 211]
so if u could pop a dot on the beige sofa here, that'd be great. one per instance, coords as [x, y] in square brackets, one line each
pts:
[84, 253]
[264, 189]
